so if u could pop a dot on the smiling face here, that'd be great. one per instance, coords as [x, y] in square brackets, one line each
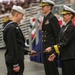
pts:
[67, 17]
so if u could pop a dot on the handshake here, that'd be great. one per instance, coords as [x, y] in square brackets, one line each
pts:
[47, 50]
[32, 53]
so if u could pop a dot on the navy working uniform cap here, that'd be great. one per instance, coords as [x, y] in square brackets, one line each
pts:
[47, 3]
[67, 10]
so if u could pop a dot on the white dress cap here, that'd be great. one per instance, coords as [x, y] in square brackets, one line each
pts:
[66, 8]
[18, 8]
[48, 1]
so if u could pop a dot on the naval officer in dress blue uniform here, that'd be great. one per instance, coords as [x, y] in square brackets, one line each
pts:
[50, 33]
[66, 45]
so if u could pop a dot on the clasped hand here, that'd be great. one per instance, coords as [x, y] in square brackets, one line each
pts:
[48, 49]
[33, 53]
[52, 56]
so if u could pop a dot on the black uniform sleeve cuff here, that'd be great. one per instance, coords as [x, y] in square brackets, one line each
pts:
[26, 52]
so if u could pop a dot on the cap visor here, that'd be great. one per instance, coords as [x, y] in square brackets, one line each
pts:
[42, 4]
[64, 12]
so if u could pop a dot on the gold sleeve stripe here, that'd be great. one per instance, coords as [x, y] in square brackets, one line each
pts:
[56, 49]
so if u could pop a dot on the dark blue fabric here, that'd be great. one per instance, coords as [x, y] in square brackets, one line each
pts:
[37, 48]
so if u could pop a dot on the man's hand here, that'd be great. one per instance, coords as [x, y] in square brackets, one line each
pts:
[51, 57]
[48, 49]
[16, 69]
[33, 53]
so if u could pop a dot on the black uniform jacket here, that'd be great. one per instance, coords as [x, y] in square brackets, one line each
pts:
[14, 41]
[67, 42]
[50, 29]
